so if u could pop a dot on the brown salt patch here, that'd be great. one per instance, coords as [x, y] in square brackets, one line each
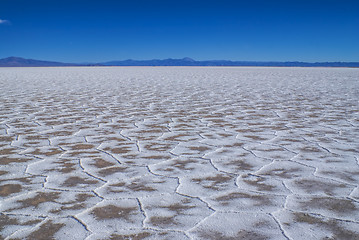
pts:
[23, 125]
[332, 204]
[247, 130]
[71, 207]
[238, 144]
[7, 139]
[348, 176]
[111, 170]
[212, 182]
[82, 147]
[130, 156]
[239, 165]
[35, 137]
[282, 172]
[8, 189]
[312, 186]
[334, 161]
[3, 172]
[118, 150]
[310, 149]
[74, 181]
[255, 137]
[52, 123]
[259, 184]
[64, 166]
[46, 231]
[261, 224]
[216, 120]
[78, 203]
[130, 162]
[293, 140]
[117, 139]
[82, 197]
[177, 137]
[277, 128]
[23, 179]
[183, 164]
[332, 225]
[225, 135]
[114, 126]
[7, 151]
[47, 152]
[140, 186]
[163, 221]
[100, 163]
[158, 147]
[243, 234]
[199, 149]
[154, 131]
[40, 198]
[88, 153]
[133, 186]
[136, 236]
[6, 221]
[256, 124]
[179, 208]
[168, 169]
[157, 157]
[259, 199]
[274, 149]
[60, 133]
[6, 160]
[112, 211]
[182, 125]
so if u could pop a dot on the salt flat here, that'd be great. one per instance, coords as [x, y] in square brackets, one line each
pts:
[179, 153]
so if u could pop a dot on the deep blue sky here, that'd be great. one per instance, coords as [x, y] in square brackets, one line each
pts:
[94, 31]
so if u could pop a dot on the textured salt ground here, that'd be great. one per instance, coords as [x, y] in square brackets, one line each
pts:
[179, 153]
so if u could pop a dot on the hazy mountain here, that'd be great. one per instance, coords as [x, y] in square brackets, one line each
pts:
[21, 62]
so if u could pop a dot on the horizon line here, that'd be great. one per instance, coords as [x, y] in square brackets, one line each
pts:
[189, 59]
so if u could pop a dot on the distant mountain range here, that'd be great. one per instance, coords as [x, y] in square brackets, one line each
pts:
[21, 62]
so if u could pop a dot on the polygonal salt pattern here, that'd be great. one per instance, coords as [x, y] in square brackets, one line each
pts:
[234, 159]
[109, 170]
[206, 185]
[9, 224]
[111, 215]
[182, 166]
[270, 152]
[285, 170]
[172, 211]
[11, 187]
[49, 203]
[339, 208]
[145, 234]
[318, 186]
[245, 201]
[257, 183]
[63, 228]
[179, 153]
[73, 182]
[301, 225]
[237, 226]
[137, 187]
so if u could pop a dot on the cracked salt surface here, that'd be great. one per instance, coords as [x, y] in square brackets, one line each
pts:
[179, 153]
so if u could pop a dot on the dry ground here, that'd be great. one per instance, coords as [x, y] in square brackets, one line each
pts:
[179, 153]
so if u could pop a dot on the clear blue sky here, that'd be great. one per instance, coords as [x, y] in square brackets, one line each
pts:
[94, 31]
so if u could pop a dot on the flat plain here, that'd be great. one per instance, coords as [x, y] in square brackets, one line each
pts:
[179, 153]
